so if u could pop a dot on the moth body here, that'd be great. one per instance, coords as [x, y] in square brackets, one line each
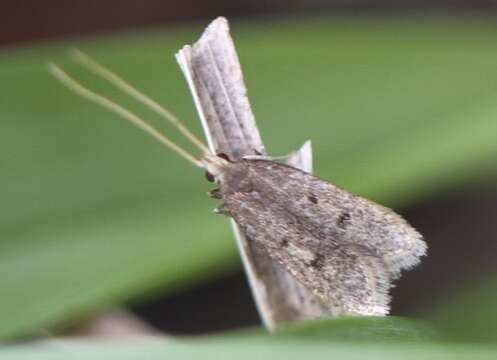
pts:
[342, 247]
[345, 248]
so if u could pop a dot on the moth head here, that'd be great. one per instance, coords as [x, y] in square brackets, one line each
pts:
[215, 166]
[218, 167]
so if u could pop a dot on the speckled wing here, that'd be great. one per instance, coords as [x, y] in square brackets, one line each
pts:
[345, 248]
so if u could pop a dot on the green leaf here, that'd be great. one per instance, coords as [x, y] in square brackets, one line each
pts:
[94, 213]
[378, 337]
[359, 329]
[381, 338]
[363, 328]
[470, 315]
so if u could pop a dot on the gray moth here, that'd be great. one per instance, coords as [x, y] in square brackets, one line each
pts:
[347, 249]
[212, 70]
[338, 252]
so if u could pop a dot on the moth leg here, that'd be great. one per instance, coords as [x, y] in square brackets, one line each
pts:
[222, 209]
[215, 193]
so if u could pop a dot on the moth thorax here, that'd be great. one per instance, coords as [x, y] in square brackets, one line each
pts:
[236, 178]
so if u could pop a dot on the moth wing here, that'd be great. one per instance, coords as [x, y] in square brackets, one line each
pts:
[338, 214]
[349, 280]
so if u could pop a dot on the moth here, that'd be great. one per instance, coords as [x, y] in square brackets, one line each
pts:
[343, 247]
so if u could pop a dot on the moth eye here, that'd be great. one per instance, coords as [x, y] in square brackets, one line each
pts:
[313, 199]
[209, 177]
[284, 243]
[223, 156]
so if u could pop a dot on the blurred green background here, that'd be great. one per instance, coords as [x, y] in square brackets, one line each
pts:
[401, 107]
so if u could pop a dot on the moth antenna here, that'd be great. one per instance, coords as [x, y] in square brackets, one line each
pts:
[90, 64]
[108, 104]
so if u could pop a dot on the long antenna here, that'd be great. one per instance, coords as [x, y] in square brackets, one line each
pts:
[98, 69]
[98, 99]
